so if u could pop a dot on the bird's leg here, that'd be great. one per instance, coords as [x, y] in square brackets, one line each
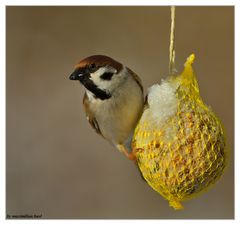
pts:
[131, 156]
[123, 149]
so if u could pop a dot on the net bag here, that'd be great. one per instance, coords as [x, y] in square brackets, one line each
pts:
[179, 142]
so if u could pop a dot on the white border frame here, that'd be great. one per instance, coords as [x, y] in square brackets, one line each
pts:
[5, 3]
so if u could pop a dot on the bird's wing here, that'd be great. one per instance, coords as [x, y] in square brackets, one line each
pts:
[90, 117]
[136, 78]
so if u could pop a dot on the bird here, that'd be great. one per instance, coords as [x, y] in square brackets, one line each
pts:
[113, 100]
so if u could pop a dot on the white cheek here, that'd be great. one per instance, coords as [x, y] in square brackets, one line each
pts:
[107, 85]
[95, 77]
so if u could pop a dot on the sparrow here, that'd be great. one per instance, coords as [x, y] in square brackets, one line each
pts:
[113, 100]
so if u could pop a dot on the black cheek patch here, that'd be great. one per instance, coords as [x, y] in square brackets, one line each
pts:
[106, 76]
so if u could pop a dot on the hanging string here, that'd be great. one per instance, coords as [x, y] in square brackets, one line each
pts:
[172, 43]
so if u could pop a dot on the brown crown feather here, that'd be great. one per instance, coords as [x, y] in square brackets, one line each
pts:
[100, 60]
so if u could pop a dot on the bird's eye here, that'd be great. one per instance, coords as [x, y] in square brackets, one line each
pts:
[92, 67]
[106, 76]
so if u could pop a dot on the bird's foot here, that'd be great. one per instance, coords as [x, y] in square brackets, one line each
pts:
[131, 156]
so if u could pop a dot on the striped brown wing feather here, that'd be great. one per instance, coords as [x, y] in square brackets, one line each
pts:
[136, 78]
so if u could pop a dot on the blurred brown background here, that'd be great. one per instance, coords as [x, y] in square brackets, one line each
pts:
[57, 165]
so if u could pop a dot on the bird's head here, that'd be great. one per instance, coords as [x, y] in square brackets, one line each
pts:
[100, 75]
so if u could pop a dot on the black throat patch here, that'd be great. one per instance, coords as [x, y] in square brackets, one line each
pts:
[98, 93]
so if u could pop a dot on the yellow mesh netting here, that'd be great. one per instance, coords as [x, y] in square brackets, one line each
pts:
[186, 154]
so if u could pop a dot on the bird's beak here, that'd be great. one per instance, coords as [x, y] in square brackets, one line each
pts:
[74, 75]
